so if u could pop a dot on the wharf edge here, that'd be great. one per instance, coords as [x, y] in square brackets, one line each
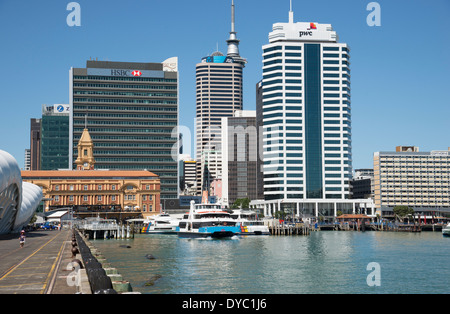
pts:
[45, 265]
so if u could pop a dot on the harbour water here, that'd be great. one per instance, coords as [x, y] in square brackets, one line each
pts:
[334, 262]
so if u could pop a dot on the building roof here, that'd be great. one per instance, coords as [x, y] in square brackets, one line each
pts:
[88, 174]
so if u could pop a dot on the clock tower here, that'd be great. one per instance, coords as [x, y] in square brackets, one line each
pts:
[85, 160]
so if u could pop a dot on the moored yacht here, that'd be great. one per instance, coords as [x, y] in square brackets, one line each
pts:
[208, 221]
[446, 231]
[250, 224]
[161, 223]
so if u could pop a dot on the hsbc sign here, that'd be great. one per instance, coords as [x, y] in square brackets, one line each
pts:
[136, 73]
[125, 73]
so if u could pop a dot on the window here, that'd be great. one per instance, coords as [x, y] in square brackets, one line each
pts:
[99, 198]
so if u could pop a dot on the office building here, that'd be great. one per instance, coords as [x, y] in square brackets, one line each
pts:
[239, 157]
[420, 180]
[35, 144]
[54, 137]
[218, 94]
[131, 111]
[361, 185]
[307, 150]
[27, 159]
[188, 177]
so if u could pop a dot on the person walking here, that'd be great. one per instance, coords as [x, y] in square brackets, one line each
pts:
[22, 238]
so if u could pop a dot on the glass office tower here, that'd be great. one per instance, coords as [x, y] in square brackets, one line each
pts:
[55, 137]
[131, 111]
[306, 114]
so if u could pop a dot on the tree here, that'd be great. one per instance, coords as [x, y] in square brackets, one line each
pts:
[402, 211]
[241, 203]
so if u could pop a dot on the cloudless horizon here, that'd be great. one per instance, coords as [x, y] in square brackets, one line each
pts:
[400, 92]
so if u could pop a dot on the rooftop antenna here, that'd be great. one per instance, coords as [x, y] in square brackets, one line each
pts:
[85, 120]
[291, 13]
[233, 42]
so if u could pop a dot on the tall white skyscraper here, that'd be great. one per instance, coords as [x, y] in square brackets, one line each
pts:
[218, 94]
[306, 118]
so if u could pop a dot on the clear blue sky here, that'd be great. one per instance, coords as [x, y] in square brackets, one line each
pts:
[400, 70]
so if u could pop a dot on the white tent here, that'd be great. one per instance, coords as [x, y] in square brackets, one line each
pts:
[56, 216]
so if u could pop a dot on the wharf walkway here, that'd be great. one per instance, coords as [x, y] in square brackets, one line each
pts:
[40, 267]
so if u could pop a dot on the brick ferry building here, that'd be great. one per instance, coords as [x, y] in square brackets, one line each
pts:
[119, 194]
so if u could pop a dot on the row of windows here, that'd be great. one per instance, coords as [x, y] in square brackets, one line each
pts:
[324, 48]
[126, 115]
[135, 101]
[117, 78]
[95, 92]
[125, 86]
[109, 122]
[90, 108]
[116, 130]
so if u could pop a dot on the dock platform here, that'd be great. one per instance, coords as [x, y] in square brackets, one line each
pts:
[40, 267]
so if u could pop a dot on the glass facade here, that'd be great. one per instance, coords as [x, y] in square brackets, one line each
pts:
[130, 118]
[54, 142]
[313, 121]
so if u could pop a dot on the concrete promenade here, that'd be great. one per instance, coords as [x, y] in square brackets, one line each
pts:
[40, 267]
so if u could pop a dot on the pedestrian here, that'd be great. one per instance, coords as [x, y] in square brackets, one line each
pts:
[22, 238]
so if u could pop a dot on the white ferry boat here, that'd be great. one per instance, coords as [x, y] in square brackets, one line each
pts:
[250, 224]
[161, 223]
[446, 231]
[208, 221]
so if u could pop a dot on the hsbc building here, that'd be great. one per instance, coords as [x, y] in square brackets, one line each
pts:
[130, 110]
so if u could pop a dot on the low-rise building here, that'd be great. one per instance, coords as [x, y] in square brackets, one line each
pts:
[104, 192]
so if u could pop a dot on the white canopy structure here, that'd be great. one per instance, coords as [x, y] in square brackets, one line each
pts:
[18, 201]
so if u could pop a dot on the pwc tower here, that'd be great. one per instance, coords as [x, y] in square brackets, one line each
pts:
[306, 118]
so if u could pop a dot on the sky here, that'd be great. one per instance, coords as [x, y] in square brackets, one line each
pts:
[400, 70]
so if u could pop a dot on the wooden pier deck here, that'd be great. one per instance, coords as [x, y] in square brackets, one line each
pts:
[294, 229]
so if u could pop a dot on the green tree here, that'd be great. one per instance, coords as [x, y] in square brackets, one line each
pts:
[241, 203]
[280, 215]
[402, 211]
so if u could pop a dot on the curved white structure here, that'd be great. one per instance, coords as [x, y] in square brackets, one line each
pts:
[18, 201]
[31, 197]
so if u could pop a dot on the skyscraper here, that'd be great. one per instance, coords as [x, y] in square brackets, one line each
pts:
[131, 111]
[218, 94]
[55, 137]
[306, 117]
[239, 157]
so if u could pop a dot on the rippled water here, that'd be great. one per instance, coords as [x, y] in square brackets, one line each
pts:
[323, 262]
